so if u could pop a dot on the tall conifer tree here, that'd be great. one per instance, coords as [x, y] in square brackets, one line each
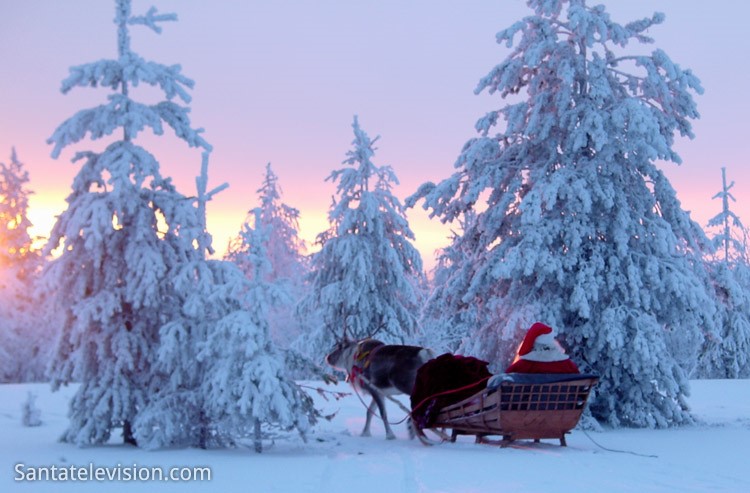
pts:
[727, 355]
[285, 251]
[575, 225]
[22, 338]
[365, 278]
[125, 228]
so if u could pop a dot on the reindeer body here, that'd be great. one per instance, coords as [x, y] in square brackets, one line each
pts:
[380, 370]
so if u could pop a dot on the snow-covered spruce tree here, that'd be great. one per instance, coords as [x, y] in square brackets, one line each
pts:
[220, 377]
[576, 226]
[728, 356]
[175, 412]
[22, 340]
[286, 254]
[730, 241]
[246, 385]
[121, 235]
[366, 275]
[16, 251]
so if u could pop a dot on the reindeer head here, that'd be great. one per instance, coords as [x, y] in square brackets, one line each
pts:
[341, 356]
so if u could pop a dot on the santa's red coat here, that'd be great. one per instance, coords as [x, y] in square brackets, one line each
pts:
[528, 366]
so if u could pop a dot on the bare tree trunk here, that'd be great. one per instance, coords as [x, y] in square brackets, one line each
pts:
[203, 431]
[127, 434]
[257, 441]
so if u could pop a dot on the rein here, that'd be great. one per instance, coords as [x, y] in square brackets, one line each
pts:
[356, 376]
[450, 391]
[390, 398]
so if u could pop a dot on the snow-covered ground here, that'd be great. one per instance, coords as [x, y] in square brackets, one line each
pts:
[709, 457]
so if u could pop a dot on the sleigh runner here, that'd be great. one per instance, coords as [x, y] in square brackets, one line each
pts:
[511, 407]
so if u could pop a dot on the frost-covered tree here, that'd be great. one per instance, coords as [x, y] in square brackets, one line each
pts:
[731, 239]
[286, 250]
[575, 225]
[30, 414]
[728, 355]
[366, 275]
[286, 254]
[123, 232]
[175, 412]
[16, 251]
[22, 338]
[220, 377]
[246, 385]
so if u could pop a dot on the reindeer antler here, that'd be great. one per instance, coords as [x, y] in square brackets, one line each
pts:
[346, 328]
[372, 334]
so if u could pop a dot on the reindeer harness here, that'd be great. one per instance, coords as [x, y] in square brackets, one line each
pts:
[362, 360]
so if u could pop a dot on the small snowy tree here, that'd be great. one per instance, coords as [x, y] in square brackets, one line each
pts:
[365, 277]
[31, 415]
[731, 239]
[246, 385]
[727, 355]
[575, 225]
[286, 254]
[15, 243]
[22, 338]
[220, 378]
[282, 223]
[175, 413]
[122, 234]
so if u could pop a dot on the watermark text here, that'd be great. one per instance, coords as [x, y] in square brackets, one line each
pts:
[119, 472]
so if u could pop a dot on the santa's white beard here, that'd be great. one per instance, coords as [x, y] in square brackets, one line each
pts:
[546, 353]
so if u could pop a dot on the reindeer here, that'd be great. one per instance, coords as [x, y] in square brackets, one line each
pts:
[379, 369]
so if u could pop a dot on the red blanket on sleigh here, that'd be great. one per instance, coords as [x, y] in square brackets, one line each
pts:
[445, 380]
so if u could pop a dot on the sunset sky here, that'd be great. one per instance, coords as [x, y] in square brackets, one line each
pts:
[279, 81]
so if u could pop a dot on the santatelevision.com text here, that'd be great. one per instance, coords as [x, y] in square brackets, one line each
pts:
[119, 472]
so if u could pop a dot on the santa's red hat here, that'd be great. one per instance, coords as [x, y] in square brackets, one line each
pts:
[538, 332]
[540, 345]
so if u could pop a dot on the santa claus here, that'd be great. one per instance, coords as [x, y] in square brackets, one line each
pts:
[541, 353]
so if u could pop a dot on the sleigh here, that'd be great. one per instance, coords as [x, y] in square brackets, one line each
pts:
[518, 406]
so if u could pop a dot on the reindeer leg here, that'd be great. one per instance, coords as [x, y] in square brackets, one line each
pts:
[368, 419]
[377, 397]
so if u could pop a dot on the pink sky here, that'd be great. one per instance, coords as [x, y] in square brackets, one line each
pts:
[280, 80]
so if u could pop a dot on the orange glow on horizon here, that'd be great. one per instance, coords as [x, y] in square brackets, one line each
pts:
[224, 224]
[430, 235]
[228, 210]
[43, 212]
